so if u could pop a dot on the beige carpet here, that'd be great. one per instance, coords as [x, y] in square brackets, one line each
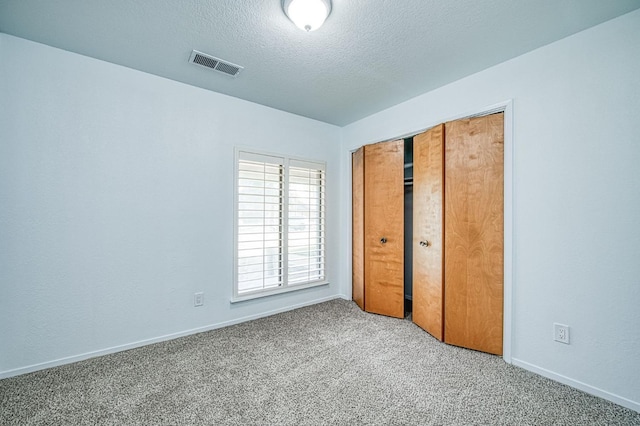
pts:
[325, 364]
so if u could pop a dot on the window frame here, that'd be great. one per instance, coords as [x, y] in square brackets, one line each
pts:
[284, 214]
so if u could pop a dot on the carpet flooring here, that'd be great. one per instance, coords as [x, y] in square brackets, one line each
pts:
[327, 364]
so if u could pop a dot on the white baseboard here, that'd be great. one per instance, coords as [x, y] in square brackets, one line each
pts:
[632, 405]
[145, 342]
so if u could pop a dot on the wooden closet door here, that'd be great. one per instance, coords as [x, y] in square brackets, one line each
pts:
[384, 228]
[473, 248]
[357, 191]
[428, 193]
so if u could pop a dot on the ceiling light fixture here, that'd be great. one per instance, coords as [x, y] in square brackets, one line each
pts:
[308, 15]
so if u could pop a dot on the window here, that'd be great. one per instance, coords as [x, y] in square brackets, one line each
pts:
[280, 224]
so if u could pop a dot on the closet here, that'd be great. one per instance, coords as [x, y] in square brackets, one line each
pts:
[456, 215]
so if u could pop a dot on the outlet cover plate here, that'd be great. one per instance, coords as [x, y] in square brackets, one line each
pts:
[561, 333]
[198, 299]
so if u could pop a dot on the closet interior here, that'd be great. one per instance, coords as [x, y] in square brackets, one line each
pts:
[428, 214]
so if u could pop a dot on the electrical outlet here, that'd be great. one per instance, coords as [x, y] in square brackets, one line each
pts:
[561, 333]
[198, 299]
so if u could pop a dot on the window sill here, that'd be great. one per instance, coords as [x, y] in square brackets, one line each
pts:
[273, 292]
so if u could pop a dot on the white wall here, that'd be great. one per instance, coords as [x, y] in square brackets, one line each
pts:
[576, 139]
[116, 204]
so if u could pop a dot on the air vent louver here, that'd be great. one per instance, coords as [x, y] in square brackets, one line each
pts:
[214, 63]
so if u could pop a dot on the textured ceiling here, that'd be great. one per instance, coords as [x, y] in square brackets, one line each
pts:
[369, 55]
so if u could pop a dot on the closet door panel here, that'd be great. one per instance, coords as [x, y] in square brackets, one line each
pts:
[474, 158]
[357, 179]
[428, 192]
[384, 228]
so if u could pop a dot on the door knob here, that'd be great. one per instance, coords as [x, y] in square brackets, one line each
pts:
[383, 240]
[424, 243]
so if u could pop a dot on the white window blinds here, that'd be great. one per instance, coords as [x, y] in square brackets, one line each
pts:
[259, 222]
[306, 222]
[280, 223]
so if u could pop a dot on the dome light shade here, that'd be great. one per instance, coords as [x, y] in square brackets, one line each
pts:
[308, 15]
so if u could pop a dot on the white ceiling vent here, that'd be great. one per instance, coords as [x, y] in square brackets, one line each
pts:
[214, 63]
